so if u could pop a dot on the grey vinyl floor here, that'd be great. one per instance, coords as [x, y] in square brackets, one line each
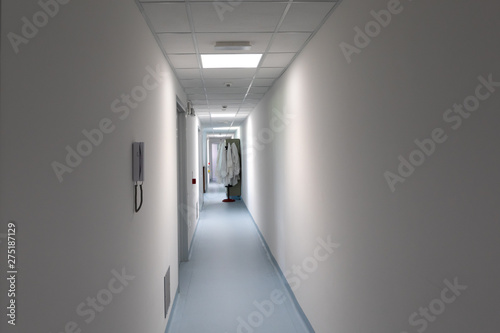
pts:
[230, 284]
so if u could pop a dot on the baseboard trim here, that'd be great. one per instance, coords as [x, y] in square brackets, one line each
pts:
[289, 290]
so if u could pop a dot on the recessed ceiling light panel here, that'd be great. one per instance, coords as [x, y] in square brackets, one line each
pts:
[223, 115]
[224, 128]
[230, 60]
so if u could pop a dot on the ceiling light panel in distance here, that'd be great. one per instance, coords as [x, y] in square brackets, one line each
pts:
[228, 115]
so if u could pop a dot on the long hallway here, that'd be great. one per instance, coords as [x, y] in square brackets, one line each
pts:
[368, 137]
[230, 283]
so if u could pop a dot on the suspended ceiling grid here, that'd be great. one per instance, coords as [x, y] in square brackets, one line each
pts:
[186, 29]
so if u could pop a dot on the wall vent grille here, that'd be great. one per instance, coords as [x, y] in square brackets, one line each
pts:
[166, 283]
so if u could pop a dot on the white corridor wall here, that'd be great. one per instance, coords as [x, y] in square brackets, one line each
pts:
[318, 145]
[93, 60]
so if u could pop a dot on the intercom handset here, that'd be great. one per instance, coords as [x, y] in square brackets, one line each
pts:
[138, 170]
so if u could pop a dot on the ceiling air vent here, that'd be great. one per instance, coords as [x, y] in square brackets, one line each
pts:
[233, 46]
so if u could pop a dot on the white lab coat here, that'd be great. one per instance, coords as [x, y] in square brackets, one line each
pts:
[228, 165]
[230, 171]
[236, 159]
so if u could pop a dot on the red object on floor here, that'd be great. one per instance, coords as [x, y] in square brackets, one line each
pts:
[228, 200]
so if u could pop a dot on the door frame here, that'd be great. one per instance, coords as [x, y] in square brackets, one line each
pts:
[182, 218]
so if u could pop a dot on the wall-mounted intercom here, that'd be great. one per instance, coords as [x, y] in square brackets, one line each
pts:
[138, 161]
[138, 170]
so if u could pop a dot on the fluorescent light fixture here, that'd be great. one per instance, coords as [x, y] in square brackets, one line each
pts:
[223, 115]
[224, 128]
[230, 60]
[238, 46]
[220, 135]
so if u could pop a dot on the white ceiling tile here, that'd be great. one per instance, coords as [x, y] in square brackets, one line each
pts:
[218, 107]
[226, 96]
[177, 43]
[269, 73]
[192, 83]
[196, 97]
[238, 124]
[231, 90]
[245, 17]
[185, 74]
[167, 17]
[262, 82]
[258, 90]
[199, 101]
[252, 101]
[218, 83]
[243, 113]
[229, 73]
[277, 59]
[255, 96]
[219, 110]
[305, 16]
[184, 60]
[259, 42]
[249, 105]
[221, 123]
[197, 90]
[226, 101]
[289, 42]
[235, 110]
[202, 107]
